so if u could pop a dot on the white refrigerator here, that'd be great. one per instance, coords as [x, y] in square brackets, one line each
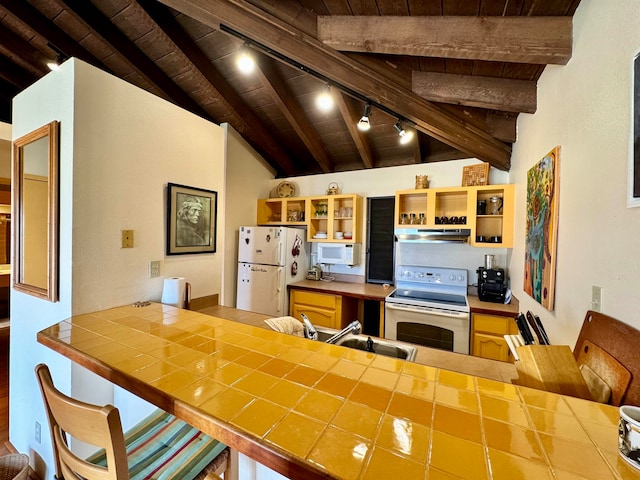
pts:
[269, 259]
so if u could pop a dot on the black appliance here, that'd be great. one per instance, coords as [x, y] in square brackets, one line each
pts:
[492, 285]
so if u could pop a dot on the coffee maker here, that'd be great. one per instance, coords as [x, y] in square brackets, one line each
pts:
[492, 282]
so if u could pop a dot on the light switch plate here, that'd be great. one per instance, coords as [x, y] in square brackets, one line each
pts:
[127, 238]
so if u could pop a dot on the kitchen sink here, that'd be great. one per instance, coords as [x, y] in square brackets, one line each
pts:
[380, 346]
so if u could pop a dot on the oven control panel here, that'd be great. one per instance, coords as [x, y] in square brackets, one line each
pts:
[455, 277]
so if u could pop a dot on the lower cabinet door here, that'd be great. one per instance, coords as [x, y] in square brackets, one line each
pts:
[492, 347]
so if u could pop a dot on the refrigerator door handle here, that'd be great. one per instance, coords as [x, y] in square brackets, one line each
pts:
[278, 289]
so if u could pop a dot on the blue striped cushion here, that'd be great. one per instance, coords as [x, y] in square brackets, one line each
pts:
[162, 447]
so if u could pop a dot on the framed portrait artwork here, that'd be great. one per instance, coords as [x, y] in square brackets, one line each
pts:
[191, 220]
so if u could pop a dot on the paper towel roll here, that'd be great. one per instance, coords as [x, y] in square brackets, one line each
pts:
[173, 291]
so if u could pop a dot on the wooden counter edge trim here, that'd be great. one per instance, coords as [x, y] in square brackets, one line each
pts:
[266, 454]
[497, 313]
[344, 293]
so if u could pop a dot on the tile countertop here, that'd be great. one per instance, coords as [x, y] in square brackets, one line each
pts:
[311, 410]
[481, 367]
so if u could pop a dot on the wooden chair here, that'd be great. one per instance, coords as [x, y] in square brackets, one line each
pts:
[144, 452]
[609, 348]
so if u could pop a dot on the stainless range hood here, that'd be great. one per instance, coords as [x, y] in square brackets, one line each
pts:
[432, 235]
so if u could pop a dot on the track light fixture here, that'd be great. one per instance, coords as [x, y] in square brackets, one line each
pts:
[245, 61]
[405, 137]
[364, 124]
[324, 101]
[54, 65]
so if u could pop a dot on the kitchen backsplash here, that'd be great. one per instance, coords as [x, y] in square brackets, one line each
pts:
[450, 255]
[433, 255]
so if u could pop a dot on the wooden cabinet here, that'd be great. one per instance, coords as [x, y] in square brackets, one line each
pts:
[323, 309]
[282, 211]
[334, 213]
[326, 214]
[456, 207]
[488, 226]
[487, 336]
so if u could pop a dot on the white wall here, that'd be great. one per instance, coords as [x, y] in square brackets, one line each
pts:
[119, 147]
[381, 182]
[585, 107]
[247, 179]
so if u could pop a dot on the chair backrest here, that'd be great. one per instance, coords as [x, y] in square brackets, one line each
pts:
[96, 425]
[609, 347]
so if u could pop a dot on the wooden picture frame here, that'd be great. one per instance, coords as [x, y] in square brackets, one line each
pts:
[473, 175]
[36, 215]
[191, 220]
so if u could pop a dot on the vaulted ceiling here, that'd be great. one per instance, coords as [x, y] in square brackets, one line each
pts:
[457, 73]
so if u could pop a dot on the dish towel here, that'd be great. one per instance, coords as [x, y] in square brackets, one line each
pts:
[289, 325]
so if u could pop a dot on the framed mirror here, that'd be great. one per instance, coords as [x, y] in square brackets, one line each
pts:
[35, 204]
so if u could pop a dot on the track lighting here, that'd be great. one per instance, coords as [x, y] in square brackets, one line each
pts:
[54, 65]
[405, 137]
[324, 101]
[245, 61]
[363, 123]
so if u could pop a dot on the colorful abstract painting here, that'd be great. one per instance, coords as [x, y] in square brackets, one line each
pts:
[542, 229]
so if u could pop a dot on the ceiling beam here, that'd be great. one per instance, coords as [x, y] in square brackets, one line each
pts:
[18, 48]
[242, 117]
[476, 91]
[103, 29]
[544, 40]
[40, 24]
[290, 42]
[292, 110]
[15, 74]
[497, 126]
[351, 116]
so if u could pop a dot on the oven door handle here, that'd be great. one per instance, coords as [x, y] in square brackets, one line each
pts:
[423, 310]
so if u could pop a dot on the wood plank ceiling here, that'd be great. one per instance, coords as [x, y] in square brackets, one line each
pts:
[457, 73]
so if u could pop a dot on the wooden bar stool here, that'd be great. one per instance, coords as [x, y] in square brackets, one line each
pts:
[159, 447]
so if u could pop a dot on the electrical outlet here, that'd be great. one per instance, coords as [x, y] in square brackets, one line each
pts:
[127, 238]
[38, 432]
[154, 268]
[596, 298]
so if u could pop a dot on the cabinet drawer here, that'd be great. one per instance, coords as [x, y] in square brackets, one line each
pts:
[493, 324]
[312, 298]
[317, 316]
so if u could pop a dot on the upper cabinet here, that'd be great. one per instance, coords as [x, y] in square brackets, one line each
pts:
[282, 211]
[334, 218]
[486, 210]
[328, 218]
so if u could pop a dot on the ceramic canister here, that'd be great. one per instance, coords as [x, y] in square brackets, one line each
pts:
[629, 434]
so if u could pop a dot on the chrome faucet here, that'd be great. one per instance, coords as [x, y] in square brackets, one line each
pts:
[354, 328]
[309, 330]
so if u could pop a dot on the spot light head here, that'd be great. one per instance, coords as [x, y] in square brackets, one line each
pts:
[405, 136]
[245, 61]
[364, 124]
[324, 100]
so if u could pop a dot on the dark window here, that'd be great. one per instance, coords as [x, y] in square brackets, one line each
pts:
[380, 244]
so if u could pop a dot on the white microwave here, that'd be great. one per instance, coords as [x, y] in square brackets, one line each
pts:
[339, 253]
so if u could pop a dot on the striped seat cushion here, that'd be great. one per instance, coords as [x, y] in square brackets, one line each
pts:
[162, 447]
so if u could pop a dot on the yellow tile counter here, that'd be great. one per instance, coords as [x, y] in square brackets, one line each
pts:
[311, 410]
